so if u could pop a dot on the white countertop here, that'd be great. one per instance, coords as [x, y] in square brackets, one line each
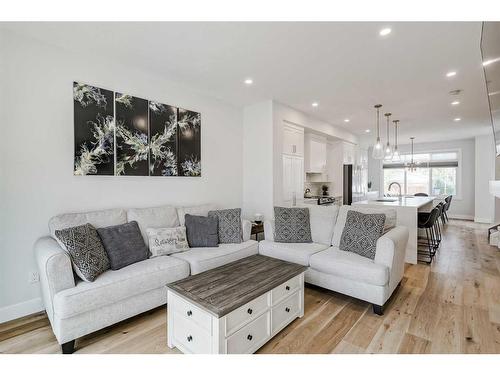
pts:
[412, 202]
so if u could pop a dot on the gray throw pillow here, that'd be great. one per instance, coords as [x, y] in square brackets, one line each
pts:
[229, 225]
[361, 232]
[124, 244]
[292, 225]
[85, 249]
[202, 231]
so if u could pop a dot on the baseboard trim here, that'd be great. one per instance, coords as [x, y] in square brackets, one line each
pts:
[19, 310]
[461, 217]
[483, 220]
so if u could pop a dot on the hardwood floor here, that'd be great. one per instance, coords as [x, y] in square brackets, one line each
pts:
[452, 306]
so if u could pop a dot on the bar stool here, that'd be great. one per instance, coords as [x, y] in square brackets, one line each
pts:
[429, 224]
[447, 207]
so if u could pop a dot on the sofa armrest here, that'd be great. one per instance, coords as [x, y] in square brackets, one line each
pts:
[391, 252]
[247, 229]
[56, 272]
[269, 230]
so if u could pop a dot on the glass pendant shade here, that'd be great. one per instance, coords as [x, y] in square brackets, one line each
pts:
[378, 150]
[396, 157]
[388, 148]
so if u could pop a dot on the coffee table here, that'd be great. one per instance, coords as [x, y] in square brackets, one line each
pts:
[235, 308]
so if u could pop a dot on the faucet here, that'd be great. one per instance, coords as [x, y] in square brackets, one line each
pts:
[395, 183]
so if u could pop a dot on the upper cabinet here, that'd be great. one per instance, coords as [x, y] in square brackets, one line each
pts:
[293, 140]
[315, 153]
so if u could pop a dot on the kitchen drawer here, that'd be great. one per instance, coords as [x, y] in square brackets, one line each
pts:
[244, 314]
[284, 312]
[190, 335]
[285, 289]
[190, 312]
[250, 337]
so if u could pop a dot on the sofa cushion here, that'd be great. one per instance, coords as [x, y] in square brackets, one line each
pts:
[361, 233]
[200, 210]
[350, 266]
[153, 217]
[204, 258]
[230, 230]
[114, 286]
[165, 241]
[202, 231]
[292, 252]
[98, 219]
[124, 244]
[292, 225]
[390, 219]
[323, 219]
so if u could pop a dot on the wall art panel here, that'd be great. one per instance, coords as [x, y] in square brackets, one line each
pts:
[163, 140]
[189, 128]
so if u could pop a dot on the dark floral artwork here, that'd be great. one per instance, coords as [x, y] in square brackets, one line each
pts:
[132, 135]
[163, 140]
[189, 125]
[120, 134]
[94, 126]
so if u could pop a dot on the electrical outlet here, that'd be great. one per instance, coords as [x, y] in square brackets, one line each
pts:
[34, 277]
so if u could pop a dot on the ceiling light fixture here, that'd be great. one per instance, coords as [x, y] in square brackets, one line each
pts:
[412, 165]
[367, 130]
[315, 104]
[451, 74]
[385, 31]
[388, 149]
[346, 120]
[456, 102]
[457, 119]
[491, 61]
[378, 151]
[396, 157]
[248, 81]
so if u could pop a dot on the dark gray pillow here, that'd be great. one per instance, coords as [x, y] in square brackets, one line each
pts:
[202, 231]
[229, 225]
[85, 249]
[124, 244]
[361, 232]
[292, 225]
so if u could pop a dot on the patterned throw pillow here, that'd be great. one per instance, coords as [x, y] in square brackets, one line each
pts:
[229, 225]
[85, 249]
[361, 232]
[165, 241]
[292, 225]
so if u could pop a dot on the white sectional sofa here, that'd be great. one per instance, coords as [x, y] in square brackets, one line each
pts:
[76, 308]
[348, 273]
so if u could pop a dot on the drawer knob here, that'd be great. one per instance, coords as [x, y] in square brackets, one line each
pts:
[249, 337]
[190, 338]
[189, 313]
[287, 309]
[287, 287]
[250, 311]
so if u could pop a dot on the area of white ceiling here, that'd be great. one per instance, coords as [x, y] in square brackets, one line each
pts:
[345, 67]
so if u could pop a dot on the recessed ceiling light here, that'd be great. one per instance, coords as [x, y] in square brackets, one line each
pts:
[456, 119]
[491, 61]
[248, 81]
[367, 130]
[315, 104]
[451, 74]
[346, 120]
[385, 31]
[456, 102]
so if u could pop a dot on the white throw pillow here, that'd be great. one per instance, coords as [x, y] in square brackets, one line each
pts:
[165, 241]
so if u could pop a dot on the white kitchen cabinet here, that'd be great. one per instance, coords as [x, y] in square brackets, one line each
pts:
[293, 177]
[293, 139]
[315, 153]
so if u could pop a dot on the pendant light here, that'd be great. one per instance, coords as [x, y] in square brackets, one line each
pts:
[378, 151]
[388, 149]
[411, 166]
[396, 157]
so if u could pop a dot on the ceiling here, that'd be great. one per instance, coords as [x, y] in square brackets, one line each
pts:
[345, 67]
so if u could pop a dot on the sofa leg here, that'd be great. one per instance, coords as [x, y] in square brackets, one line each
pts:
[68, 347]
[377, 309]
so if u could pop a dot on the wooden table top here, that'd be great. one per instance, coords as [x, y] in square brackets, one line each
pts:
[223, 289]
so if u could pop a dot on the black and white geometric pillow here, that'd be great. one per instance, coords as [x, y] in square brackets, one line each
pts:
[292, 225]
[361, 232]
[85, 249]
[229, 225]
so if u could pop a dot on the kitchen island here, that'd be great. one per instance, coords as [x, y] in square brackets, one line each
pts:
[407, 209]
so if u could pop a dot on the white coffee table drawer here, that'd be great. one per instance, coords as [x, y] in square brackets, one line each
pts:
[285, 289]
[191, 312]
[284, 312]
[251, 336]
[190, 335]
[245, 313]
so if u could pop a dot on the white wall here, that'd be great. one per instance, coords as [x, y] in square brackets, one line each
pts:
[36, 156]
[460, 208]
[484, 172]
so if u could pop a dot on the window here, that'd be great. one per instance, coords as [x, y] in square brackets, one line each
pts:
[436, 174]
